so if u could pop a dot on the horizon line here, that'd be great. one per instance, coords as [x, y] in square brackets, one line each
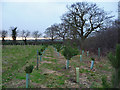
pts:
[20, 38]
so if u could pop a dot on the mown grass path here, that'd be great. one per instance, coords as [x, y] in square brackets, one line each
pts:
[51, 72]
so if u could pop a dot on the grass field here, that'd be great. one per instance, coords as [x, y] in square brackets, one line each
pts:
[51, 72]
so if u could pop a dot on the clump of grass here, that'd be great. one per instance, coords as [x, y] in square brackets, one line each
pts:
[29, 69]
[105, 84]
[40, 53]
[92, 58]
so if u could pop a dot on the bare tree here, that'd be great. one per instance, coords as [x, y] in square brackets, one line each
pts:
[14, 33]
[73, 33]
[24, 35]
[62, 30]
[36, 34]
[85, 18]
[3, 34]
[51, 31]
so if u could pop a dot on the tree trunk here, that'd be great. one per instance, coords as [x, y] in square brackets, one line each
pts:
[14, 40]
[25, 41]
[52, 38]
[35, 39]
[82, 43]
[3, 39]
[63, 38]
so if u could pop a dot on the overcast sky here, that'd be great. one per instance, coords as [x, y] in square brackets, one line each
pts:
[40, 15]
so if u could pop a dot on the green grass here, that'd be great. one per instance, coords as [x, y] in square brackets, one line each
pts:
[16, 58]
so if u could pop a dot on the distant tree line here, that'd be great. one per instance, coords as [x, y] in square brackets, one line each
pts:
[24, 34]
[85, 24]
[105, 39]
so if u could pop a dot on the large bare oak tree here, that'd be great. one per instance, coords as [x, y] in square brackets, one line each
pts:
[85, 18]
